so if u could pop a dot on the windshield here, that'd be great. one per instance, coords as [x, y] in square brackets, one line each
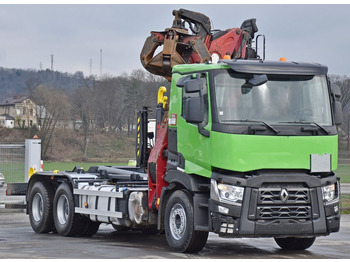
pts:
[282, 99]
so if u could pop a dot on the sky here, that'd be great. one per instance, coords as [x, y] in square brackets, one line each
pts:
[75, 33]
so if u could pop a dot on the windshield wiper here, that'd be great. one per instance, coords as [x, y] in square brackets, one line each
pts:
[309, 123]
[258, 121]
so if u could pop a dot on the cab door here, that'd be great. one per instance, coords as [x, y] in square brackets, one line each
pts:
[193, 129]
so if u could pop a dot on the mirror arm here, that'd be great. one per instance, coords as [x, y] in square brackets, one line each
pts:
[203, 131]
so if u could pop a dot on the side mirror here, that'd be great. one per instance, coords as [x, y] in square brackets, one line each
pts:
[194, 110]
[336, 92]
[256, 80]
[193, 85]
[182, 80]
[338, 113]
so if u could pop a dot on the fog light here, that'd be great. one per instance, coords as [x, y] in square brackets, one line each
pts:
[227, 228]
[336, 209]
[223, 209]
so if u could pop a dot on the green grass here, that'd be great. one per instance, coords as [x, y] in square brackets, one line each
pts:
[343, 172]
[345, 204]
[13, 171]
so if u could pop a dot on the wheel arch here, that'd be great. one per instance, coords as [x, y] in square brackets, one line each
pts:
[197, 187]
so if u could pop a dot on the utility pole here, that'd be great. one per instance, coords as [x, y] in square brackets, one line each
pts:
[53, 74]
[51, 62]
[90, 66]
[100, 62]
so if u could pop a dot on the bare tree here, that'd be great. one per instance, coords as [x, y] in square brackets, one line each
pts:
[109, 96]
[344, 83]
[52, 105]
[83, 100]
[31, 84]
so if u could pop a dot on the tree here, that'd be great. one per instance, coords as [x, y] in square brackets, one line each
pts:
[83, 101]
[53, 105]
[344, 83]
[31, 84]
[109, 95]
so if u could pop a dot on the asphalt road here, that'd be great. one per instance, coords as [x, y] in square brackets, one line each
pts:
[18, 241]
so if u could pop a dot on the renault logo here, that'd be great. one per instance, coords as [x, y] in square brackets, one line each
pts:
[284, 195]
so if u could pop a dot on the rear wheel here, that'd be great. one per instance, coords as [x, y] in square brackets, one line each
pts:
[40, 205]
[88, 227]
[66, 221]
[120, 228]
[179, 224]
[294, 243]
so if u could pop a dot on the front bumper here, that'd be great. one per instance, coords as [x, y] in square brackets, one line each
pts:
[264, 214]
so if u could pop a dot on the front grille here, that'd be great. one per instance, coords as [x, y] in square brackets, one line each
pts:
[294, 196]
[284, 212]
[283, 202]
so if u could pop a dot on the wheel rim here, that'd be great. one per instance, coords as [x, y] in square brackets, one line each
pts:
[177, 221]
[37, 207]
[62, 209]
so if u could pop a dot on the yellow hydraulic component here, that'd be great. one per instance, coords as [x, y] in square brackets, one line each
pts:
[31, 171]
[165, 99]
[161, 98]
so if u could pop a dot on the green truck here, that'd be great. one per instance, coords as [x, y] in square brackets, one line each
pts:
[243, 148]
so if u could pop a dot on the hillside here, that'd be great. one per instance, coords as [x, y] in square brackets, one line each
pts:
[19, 81]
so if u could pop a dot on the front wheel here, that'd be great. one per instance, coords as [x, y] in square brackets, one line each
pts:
[294, 243]
[179, 224]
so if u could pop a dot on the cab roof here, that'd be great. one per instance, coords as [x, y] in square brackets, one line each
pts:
[276, 67]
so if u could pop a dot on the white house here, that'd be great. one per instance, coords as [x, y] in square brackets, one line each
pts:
[7, 121]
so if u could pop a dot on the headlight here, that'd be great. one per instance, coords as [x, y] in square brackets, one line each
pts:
[226, 193]
[330, 192]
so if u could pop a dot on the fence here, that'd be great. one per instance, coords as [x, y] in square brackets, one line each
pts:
[12, 160]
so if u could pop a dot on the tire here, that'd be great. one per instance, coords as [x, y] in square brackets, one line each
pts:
[294, 243]
[120, 228]
[179, 224]
[66, 221]
[40, 207]
[88, 227]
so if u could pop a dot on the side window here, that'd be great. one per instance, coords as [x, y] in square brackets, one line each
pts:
[203, 93]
